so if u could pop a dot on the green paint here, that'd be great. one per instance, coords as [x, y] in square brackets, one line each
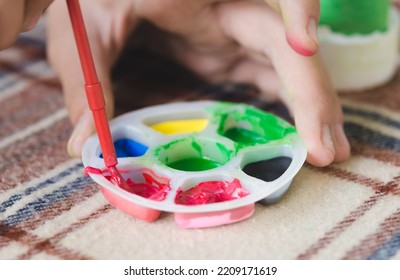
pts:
[244, 124]
[355, 16]
[194, 153]
[226, 152]
[196, 146]
[247, 125]
[244, 136]
[194, 164]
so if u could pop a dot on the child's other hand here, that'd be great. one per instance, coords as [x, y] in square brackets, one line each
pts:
[17, 16]
[221, 40]
[300, 18]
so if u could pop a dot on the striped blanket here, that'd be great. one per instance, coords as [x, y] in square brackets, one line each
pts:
[50, 210]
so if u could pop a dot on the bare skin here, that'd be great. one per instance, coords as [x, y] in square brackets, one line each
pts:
[17, 16]
[271, 44]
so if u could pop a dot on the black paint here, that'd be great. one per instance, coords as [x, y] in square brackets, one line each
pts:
[268, 170]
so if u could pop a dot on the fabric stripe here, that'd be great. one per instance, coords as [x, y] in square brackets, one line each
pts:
[60, 207]
[373, 125]
[78, 207]
[384, 98]
[44, 138]
[41, 102]
[17, 201]
[369, 167]
[367, 150]
[383, 244]
[11, 73]
[52, 243]
[36, 244]
[388, 250]
[59, 159]
[45, 201]
[381, 191]
[340, 227]
[374, 116]
[25, 190]
[30, 240]
[369, 108]
[13, 90]
[368, 136]
[34, 128]
[30, 158]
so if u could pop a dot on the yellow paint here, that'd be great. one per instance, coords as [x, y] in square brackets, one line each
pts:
[180, 126]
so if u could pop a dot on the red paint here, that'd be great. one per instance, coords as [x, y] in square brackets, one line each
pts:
[154, 187]
[147, 190]
[298, 46]
[94, 92]
[211, 192]
[92, 170]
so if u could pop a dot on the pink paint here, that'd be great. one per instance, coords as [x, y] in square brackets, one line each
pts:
[298, 46]
[154, 187]
[147, 190]
[211, 192]
[116, 178]
[93, 170]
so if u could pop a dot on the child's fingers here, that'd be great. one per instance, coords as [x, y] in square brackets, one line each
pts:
[312, 100]
[83, 124]
[301, 23]
[63, 55]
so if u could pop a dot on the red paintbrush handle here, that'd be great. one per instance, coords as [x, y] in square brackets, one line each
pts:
[97, 104]
[94, 92]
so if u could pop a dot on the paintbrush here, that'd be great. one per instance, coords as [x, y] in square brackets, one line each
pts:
[94, 93]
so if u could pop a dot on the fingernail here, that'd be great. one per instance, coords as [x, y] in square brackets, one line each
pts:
[327, 140]
[312, 30]
[77, 138]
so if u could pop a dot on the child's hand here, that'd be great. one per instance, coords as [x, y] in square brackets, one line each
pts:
[17, 16]
[108, 23]
[300, 18]
[239, 41]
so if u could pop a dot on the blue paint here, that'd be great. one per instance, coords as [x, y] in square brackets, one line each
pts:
[126, 147]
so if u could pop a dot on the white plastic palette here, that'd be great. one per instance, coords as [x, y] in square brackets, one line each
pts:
[215, 144]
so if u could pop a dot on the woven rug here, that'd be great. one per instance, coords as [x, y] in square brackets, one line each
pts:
[50, 210]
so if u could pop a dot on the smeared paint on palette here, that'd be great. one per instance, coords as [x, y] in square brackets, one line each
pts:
[211, 192]
[208, 171]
